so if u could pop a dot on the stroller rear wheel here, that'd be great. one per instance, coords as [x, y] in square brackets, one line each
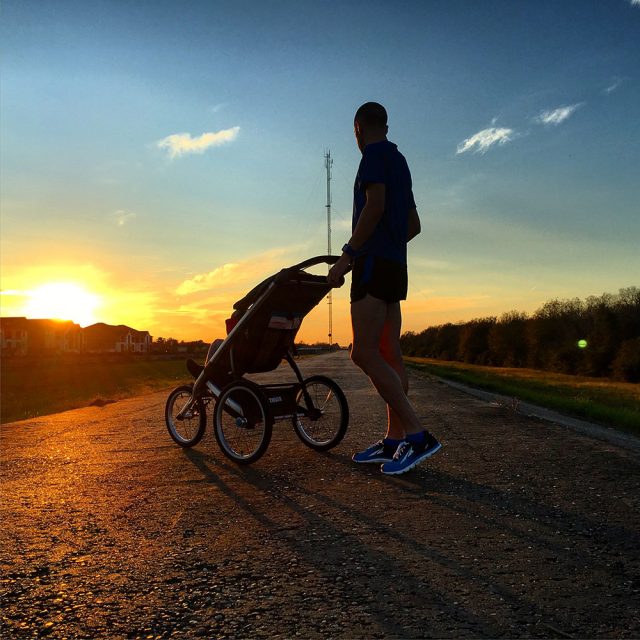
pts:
[322, 417]
[189, 430]
[242, 421]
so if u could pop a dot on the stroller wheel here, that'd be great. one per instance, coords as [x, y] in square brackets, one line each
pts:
[242, 421]
[188, 430]
[322, 416]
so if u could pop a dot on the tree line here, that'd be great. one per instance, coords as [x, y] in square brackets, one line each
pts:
[599, 336]
[173, 346]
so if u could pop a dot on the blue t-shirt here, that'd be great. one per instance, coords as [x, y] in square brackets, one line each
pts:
[383, 163]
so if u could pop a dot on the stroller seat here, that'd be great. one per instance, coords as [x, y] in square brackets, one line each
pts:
[267, 321]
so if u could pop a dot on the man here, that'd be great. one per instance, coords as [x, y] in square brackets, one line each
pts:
[384, 220]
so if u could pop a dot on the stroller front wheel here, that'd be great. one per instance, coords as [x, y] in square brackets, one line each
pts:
[187, 431]
[322, 415]
[242, 422]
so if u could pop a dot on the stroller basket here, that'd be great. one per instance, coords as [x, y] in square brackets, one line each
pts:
[267, 321]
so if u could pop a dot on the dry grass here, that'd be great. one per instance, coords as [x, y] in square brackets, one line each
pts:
[602, 400]
[44, 386]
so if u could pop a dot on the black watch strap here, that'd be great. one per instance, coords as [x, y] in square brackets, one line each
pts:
[349, 250]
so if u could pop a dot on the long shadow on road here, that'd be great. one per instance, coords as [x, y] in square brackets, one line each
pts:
[389, 564]
[388, 594]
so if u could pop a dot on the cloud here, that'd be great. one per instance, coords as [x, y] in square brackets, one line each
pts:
[178, 144]
[237, 278]
[205, 281]
[616, 81]
[636, 3]
[556, 116]
[121, 217]
[481, 141]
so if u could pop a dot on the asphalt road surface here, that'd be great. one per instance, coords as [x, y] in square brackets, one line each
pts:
[517, 528]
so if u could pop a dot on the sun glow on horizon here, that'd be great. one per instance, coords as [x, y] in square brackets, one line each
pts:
[62, 301]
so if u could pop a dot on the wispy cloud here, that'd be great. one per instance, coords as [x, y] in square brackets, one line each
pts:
[205, 281]
[557, 116]
[480, 142]
[121, 217]
[616, 82]
[237, 276]
[635, 3]
[178, 144]
[240, 277]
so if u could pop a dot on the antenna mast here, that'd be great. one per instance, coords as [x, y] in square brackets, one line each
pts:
[328, 162]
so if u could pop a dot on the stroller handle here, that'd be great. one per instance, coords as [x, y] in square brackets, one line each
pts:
[282, 276]
[314, 261]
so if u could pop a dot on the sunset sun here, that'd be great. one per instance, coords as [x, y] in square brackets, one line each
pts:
[62, 301]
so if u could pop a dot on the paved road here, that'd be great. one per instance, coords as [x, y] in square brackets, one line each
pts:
[515, 529]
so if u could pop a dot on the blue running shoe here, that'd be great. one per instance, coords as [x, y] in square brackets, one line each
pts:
[409, 454]
[378, 452]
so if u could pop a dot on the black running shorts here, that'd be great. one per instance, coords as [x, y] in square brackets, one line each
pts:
[381, 278]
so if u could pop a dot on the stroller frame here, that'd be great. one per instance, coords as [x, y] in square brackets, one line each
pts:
[316, 404]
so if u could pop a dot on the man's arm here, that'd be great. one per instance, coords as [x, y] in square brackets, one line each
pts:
[414, 227]
[367, 222]
[370, 216]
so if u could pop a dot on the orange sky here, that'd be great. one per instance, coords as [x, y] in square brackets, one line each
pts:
[195, 307]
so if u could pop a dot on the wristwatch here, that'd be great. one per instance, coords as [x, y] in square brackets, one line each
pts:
[349, 250]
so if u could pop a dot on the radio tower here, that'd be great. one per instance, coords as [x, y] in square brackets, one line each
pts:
[328, 162]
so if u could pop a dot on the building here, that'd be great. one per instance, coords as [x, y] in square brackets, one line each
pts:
[14, 336]
[106, 338]
[23, 336]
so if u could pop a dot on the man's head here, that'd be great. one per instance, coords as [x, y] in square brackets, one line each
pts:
[370, 124]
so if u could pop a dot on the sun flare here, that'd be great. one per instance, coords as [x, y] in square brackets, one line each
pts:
[62, 301]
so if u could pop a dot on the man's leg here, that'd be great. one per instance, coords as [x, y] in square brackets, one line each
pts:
[368, 317]
[392, 353]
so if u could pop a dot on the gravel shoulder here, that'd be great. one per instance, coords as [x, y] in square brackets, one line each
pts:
[518, 528]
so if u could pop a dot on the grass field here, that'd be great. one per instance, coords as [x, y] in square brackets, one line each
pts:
[615, 404]
[41, 387]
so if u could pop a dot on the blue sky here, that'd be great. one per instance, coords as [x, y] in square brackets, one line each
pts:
[167, 155]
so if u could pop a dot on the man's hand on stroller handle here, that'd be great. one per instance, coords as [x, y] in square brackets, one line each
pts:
[336, 274]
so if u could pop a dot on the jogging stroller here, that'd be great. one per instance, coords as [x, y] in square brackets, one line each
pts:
[261, 334]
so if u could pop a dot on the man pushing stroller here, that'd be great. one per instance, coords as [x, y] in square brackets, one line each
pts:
[385, 219]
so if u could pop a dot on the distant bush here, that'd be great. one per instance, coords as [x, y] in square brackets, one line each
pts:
[596, 337]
